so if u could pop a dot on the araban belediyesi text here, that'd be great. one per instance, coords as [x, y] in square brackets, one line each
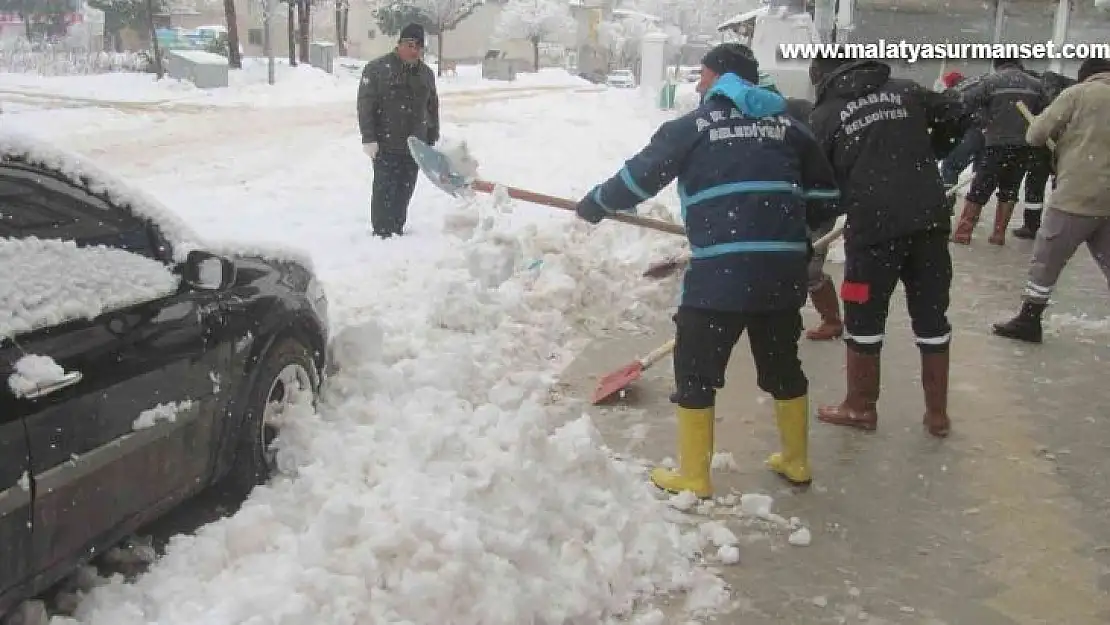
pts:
[883, 50]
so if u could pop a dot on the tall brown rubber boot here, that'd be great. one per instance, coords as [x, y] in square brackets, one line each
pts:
[828, 306]
[969, 218]
[858, 410]
[934, 381]
[1002, 214]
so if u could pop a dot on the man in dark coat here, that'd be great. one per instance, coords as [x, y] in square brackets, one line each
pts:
[749, 180]
[1006, 155]
[396, 98]
[969, 148]
[883, 136]
[1040, 166]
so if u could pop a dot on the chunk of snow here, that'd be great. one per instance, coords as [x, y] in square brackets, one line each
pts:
[717, 533]
[756, 504]
[728, 554]
[162, 412]
[724, 461]
[800, 537]
[48, 282]
[33, 371]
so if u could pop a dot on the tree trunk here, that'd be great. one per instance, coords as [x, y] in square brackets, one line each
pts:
[346, 25]
[106, 37]
[27, 30]
[439, 53]
[234, 61]
[536, 54]
[291, 31]
[304, 15]
[340, 40]
[158, 69]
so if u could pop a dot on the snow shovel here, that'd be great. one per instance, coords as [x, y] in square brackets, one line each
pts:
[1028, 115]
[665, 268]
[457, 174]
[620, 379]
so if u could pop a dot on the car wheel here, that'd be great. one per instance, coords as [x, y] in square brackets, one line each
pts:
[286, 374]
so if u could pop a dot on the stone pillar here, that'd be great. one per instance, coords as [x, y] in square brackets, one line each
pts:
[653, 62]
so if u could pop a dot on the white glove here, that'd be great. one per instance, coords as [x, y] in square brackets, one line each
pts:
[371, 150]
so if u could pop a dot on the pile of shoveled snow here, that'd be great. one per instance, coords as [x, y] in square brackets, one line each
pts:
[433, 484]
[47, 282]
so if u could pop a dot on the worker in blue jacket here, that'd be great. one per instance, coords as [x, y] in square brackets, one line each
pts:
[750, 180]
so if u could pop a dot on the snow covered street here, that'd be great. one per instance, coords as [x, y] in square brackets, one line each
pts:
[452, 473]
[438, 482]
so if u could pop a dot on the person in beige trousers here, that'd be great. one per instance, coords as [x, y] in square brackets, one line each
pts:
[1079, 209]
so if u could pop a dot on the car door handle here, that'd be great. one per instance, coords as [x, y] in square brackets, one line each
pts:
[43, 389]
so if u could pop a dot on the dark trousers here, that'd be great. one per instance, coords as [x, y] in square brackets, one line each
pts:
[922, 263]
[703, 344]
[1040, 168]
[961, 156]
[1002, 168]
[394, 181]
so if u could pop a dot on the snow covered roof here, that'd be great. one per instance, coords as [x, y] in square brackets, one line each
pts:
[636, 15]
[737, 20]
[47, 282]
[21, 147]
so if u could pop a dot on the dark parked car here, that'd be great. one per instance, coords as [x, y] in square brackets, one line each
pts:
[155, 374]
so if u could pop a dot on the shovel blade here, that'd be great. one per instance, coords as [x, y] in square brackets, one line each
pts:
[617, 381]
[438, 168]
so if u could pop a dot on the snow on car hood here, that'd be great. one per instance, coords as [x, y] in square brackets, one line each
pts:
[48, 282]
[82, 171]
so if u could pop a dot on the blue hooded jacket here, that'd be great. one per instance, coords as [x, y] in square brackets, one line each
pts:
[750, 179]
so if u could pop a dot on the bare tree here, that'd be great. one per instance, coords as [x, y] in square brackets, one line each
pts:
[436, 16]
[537, 21]
[234, 59]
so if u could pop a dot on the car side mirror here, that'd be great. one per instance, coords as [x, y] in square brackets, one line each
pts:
[208, 272]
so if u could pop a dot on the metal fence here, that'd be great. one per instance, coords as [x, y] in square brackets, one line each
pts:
[61, 60]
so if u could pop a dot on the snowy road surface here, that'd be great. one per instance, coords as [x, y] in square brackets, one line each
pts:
[1004, 523]
[439, 481]
[444, 480]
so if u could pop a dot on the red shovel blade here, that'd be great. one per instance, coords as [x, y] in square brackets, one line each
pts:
[617, 381]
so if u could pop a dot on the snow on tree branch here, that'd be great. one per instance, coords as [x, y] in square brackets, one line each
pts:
[439, 15]
[534, 20]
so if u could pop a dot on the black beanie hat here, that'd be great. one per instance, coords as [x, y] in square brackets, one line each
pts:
[733, 58]
[1090, 67]
[413, 32]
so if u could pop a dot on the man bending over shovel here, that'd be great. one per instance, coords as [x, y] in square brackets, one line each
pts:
[745, 171]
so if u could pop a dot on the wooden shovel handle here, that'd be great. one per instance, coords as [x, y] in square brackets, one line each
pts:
[532, 197]
[1029, 117]
[658, 354]
[827, 240]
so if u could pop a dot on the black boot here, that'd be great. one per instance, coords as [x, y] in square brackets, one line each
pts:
[1026, 326]
[1028, 230]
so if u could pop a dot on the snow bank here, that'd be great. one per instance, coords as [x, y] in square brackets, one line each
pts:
[293, 86]
[47, 282]
[434, 485]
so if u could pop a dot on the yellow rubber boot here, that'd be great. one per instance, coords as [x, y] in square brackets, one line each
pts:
[792, 462]
[695, 453]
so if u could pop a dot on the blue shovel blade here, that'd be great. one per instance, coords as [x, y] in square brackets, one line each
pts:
[437, 167]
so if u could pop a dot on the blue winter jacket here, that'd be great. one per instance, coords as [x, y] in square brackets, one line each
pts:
[750, 178]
